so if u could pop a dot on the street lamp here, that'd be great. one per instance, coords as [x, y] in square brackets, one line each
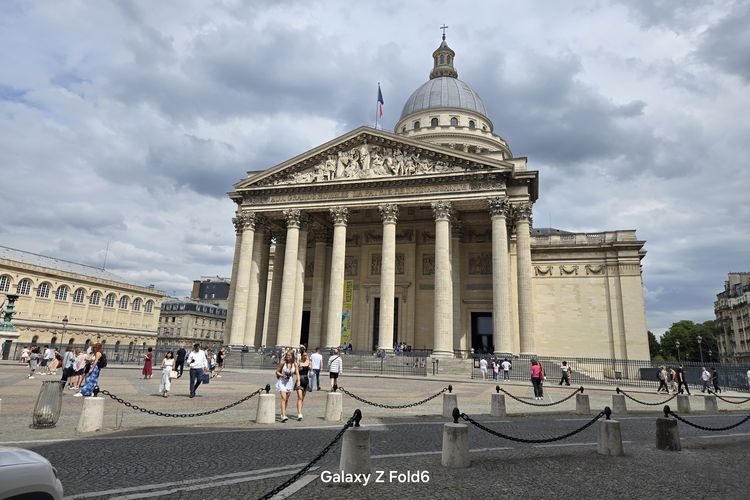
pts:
[62, 337]
[700, 348]
[677, 345]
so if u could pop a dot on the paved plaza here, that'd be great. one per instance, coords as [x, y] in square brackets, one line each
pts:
[227, 455]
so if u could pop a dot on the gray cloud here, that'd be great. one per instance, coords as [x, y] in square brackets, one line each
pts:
[726, 44]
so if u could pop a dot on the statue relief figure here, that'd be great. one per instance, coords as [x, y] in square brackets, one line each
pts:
[364, 155]
[480, 263]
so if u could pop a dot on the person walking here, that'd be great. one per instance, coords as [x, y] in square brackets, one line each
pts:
[99, 362]
[67, 364]
[715, 380]
[507, 367]
[180, 361]
[564, 373]
[681, 380]
[25, 355]
[705, 378]
[33, 360]
[672, 374]
[335, 367]
[663, 379]
[483, 368]
[286, 374]
[148, 368]
[220, 355]
[316, 362]
[198, 364]
[79, 368]
[536, 377]
[46, 358]
[167, 364]
[304, 380]
[541, 381]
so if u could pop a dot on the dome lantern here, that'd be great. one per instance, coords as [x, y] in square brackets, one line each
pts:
[443, 65]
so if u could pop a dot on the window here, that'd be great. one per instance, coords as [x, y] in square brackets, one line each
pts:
[34, 339]
[4, 283]
[442, 59]
[416, 125]
[110, 300]
[149, 306]
[403, 129]
[78, 296]
[53, 341]
[454, 122]
[24, 287]
[95, 298]
[117, 346]
[434, 122]
[472, 124]
[62, 293]
[137, 305]
[123, 302]
[43, 291]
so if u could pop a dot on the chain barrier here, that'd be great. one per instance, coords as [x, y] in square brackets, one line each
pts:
[391, 407]
[620, 391]
[180, 415]
[525, 440]
[352, 422]
[580, 389]
[729, 400]
[668, 412]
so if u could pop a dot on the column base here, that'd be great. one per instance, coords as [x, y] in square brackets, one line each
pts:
[529, 354]
[442, 354]
[500, 354]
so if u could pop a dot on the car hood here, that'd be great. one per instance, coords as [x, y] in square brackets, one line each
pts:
[16, 456]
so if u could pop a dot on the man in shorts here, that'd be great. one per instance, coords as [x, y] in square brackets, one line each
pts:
[220, 361]
[335, 367]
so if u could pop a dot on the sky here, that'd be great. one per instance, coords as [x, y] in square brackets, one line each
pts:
[123, 124]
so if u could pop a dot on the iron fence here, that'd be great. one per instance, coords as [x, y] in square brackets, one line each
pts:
[639, 373]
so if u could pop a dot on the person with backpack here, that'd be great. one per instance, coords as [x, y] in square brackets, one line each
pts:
[681, 380]
[99, 362]
[335, 367]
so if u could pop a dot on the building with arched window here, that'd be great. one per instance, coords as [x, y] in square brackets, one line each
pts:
[96, 303]
[187, 322]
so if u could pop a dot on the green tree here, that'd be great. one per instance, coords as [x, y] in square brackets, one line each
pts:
[686, 333]
[654, 348]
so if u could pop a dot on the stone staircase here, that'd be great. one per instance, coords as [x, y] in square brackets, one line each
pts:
[458, 368]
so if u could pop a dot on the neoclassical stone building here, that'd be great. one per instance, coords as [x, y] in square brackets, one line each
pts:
[424, 236]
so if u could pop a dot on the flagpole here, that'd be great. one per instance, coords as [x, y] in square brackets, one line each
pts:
[377, 108]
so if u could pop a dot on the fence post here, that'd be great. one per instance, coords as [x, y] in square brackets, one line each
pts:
[450, 401]
[455, 454]
[582, 404]
[497, 403]
[711, 403]
[609, 440]
[667, 433]
[333, 407]
[355, 450]
[683, 403]
[618, 404]
[92, 415]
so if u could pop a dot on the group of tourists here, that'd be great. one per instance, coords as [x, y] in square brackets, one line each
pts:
[673, 379]
[494, 365]
[203, 366]
[299, 373]
[80, 368]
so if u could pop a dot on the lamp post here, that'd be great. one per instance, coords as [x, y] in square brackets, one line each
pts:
[62, 337]
[700, 348]
[677, 345]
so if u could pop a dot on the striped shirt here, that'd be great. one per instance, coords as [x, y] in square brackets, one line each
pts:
[335, 364]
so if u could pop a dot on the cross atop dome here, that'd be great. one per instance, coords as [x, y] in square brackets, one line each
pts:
[443, 57]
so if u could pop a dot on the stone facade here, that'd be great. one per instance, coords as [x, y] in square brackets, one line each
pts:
[185, 322]
[732, 309]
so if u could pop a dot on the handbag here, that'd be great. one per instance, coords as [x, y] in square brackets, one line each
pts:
[173, 374]
[205, 378]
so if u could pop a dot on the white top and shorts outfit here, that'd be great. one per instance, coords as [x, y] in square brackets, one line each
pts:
[285, 383]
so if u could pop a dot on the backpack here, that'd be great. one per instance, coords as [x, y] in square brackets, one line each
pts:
[103, 361]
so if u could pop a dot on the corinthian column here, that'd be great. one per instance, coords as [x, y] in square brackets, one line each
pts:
[239, 223]
[318, 288]
[276, 279]
[340, 216]
[251, 317]
[443, 312]
[262, 291]
[459, 339]
[501, 318]
[299, 291]
[245, 220]
[289, 279]
[525, 306]
[389, 214]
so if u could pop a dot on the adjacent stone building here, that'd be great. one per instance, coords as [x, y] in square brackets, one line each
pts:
[732, 310]
[98, 305]
[211, 290]
[424, 236]
[187, 322]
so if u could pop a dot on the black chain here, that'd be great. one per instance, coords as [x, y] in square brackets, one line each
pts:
[703, 428]
[542, 404]
[303, 471]
[645, 402]
[392, 407]
[180, 415]
[532, 441]
[729, 400]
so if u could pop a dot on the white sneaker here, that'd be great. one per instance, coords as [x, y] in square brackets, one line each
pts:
[284, 418]
[31, 376]
[78, 395]
[218, 376]
[299, 418]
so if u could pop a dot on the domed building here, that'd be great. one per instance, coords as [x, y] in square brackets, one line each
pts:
[424, 236]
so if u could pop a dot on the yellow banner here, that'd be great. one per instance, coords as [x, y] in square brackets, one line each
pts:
[346, 312]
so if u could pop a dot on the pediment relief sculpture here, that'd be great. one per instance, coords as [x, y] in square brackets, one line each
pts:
[365, 162]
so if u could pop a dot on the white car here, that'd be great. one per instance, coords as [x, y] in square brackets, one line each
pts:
[26, 475]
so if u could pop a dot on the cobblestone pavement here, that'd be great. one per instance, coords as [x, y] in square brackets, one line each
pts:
[176, 458]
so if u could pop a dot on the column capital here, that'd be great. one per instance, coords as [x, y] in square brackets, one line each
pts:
[293, 218]
[499, 207]
[442, 210]
[244, 219]
[239, 222]
[339, 215]
[389, 213]
[523, 212]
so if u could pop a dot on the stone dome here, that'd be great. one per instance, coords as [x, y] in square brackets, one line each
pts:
[444, 92]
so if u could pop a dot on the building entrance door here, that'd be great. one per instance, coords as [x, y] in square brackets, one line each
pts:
[304, 335]
[376, 324]
[481, 332]
[6, 348]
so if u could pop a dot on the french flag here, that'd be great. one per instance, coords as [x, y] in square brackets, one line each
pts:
[380, 102]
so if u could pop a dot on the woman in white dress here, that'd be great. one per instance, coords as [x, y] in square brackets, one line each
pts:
[287, 373]
[167, 365]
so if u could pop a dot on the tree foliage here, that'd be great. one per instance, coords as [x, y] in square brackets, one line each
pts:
[686, 333]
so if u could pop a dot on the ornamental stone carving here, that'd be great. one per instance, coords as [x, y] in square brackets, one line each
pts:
[376, 261]
[480, 263]
[523, 212]
[406, 236]
[351, 264]
[543, 270]
[239, 222]
[389, 213]
[568, 270]
[499, 207]
[293, 217]
[442, 210]
[594, 269]
[320, 233]
[339, 215]
[366, 162]
[428, 264]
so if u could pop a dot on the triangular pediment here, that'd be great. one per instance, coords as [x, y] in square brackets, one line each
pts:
[367, 153]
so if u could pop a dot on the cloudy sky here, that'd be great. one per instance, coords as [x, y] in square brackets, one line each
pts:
[124, 124]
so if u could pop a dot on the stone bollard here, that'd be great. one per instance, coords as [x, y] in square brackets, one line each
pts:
[609, 441]
[582, 404]
[455, 444]
[355, 451]
[497, 406]
[266, 409]
[92, 415]
[667, 433]
[450, 401]
[333, 407]
[711, 403]
[683, 403]
[619, 406]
